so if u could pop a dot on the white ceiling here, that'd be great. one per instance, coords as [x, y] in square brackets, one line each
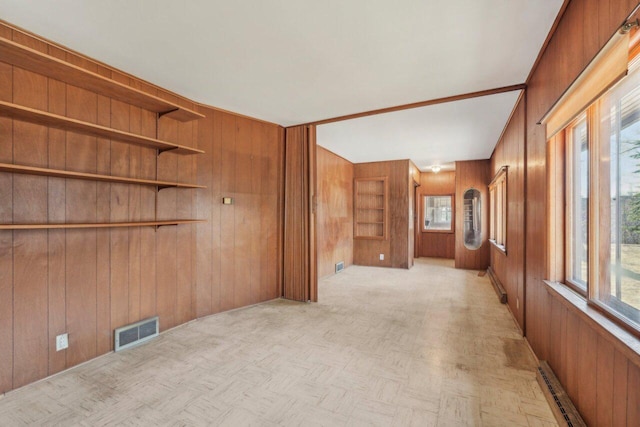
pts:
[298, 61]
[434, 135]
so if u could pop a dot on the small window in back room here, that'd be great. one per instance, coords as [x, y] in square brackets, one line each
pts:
[438, 213]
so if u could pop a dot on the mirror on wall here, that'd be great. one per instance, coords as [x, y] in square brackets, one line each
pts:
[472, 219]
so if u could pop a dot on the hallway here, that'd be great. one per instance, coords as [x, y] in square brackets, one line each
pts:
[426, 346]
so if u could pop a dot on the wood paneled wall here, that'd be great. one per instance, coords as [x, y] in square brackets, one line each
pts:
[509, 267]
[472, 174]
[239, 257]
[601, 378]
[300, 276]
[395, 248]
[335, 211]
[86, 282]
[439, 245]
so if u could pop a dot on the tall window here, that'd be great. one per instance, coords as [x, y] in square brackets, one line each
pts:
[619, 198]
[602, 201]
[498, 209]
[578, 203]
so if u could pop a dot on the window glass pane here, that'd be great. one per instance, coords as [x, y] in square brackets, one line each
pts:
[437, 213]
[580, 204]
[620, 280]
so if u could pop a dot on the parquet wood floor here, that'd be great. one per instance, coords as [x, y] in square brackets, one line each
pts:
[430, 346]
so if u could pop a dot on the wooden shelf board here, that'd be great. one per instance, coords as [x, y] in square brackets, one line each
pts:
[98, 225]
[31, 115]
[369, 237]
[41, 63]
[181, 114]
[56, 173]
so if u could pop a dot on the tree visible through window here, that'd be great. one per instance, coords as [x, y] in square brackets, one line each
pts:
[620, 195]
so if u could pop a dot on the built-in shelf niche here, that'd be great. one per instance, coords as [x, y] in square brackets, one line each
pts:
[370, 208]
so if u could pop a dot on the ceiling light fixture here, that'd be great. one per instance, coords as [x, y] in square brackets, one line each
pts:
[435, 168]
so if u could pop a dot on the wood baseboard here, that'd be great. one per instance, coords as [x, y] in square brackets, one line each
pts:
[497, 285]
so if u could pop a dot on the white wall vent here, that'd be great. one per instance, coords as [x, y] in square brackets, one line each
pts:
[136, 333]
[339, 266]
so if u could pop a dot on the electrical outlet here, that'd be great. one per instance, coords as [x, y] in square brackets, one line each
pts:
[381, 257]
[62, 342]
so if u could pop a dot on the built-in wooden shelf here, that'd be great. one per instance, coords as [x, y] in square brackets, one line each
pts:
[30, 170]
[41, 63]
[99, 225]
[31, 115]
[371, 204]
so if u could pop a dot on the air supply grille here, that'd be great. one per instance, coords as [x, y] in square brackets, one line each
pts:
[136, 333]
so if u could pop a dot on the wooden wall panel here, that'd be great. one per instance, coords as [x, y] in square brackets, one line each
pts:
[104, 333]
[633, 395]
[135, 214]
[604, 379]
[207, 260]
[620, 388]
[81, 206]
[30, 267]
[395, 248]
[235, 261]
[335, 211]
[148, 277]
[56, 213]
[227, 232]
[88, 282]
[472, 174]
[243, 211]
[599, 376]
[167, 237]
[119, 212]
[399, 214]
[509, 267]
[255, 227]
[6, 237]
[185, 239]
[438, 245]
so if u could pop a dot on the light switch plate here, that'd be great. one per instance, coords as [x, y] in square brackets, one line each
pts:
[381, 257]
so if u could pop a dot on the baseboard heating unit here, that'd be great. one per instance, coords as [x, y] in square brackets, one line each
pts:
[136, 333]
[566, 414]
